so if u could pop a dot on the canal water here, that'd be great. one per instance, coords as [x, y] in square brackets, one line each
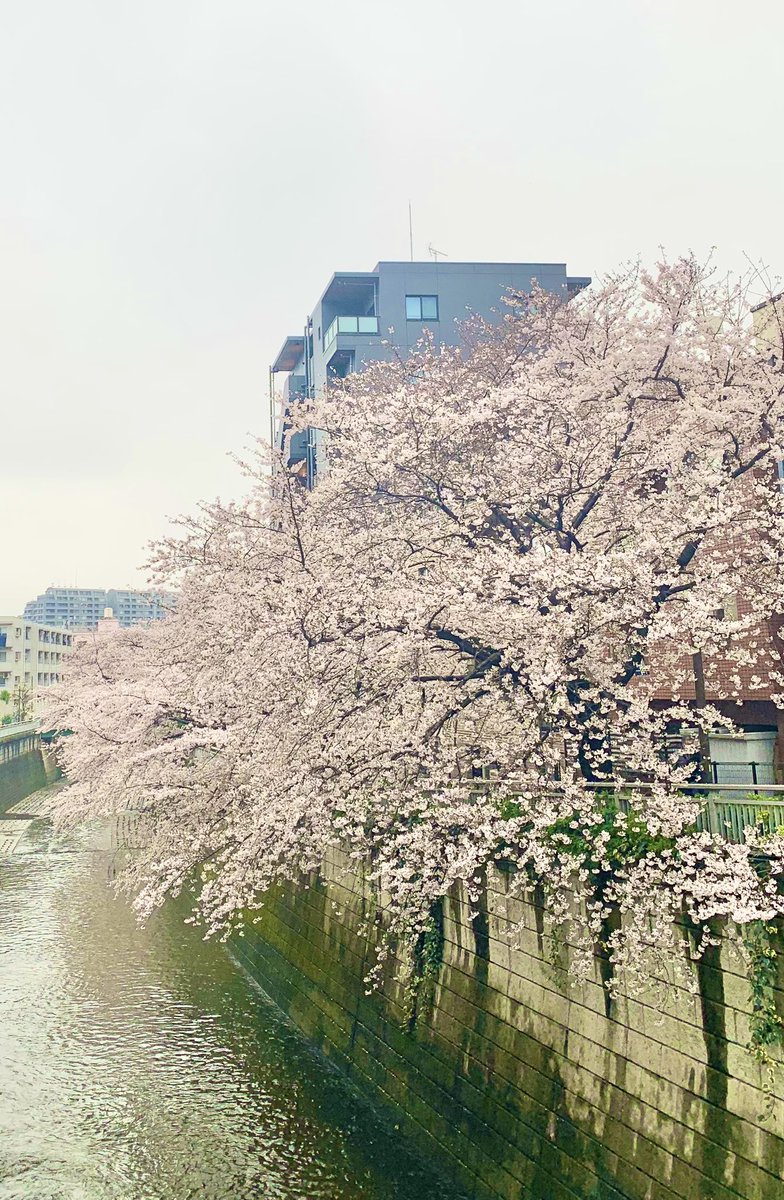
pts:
[144, 1065]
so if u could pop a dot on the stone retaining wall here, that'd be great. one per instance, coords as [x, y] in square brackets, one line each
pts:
[24, 768]
[523, 1089]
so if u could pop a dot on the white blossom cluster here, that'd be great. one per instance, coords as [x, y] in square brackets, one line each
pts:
[487, 604]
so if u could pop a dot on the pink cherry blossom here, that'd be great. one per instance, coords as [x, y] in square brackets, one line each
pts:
[516, 550]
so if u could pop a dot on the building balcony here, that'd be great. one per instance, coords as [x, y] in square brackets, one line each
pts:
[355, 325]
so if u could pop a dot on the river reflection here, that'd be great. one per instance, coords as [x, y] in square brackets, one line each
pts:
[143, 1065]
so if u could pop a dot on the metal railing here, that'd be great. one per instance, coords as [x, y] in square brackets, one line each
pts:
[731, 818]
[17, 729]
[728, 809]
[350, 325]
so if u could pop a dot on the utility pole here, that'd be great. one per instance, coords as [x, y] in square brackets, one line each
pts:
[699, 696]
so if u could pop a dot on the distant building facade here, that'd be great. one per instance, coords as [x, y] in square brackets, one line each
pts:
[32, 656]
[107, 625]
[768, 320]
[364, 316]
[755, 754]
[81, 608]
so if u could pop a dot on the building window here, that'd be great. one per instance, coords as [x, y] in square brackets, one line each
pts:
[421, 308]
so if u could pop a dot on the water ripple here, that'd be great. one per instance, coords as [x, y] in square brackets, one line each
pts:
[142, 1065]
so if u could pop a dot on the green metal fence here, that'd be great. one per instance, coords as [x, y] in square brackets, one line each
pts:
[730, 817]
[728, 809]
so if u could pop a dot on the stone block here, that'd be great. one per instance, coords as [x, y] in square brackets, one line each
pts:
[524, 1088]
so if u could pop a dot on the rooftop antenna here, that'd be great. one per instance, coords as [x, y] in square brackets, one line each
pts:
[410, 231]
[436, 253]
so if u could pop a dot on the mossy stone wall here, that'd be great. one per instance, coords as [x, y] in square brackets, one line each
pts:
[522, 1088]
[23, 774]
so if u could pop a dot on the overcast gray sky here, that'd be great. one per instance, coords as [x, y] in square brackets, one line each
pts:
[180, 178]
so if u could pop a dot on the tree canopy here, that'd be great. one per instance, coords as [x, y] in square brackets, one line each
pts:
[485, 610]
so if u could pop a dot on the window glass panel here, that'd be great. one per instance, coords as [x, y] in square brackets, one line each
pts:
[430, 308]
[413, 308]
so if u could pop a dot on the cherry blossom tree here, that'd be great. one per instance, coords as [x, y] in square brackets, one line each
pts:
[451, 651]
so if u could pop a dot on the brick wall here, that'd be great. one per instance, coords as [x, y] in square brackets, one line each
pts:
[522, 1088]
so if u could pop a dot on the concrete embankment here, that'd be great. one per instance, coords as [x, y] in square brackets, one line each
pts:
[25, 765]
[523, 1088]
[15, 822]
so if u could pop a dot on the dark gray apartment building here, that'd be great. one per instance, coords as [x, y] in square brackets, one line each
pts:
[364, 316]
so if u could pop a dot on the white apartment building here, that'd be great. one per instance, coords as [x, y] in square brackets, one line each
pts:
[32, 657]
[81, 608]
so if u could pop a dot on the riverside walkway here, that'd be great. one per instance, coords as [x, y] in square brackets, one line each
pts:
[16, 820]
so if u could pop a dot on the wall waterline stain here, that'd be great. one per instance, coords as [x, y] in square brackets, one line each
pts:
[526, 1089]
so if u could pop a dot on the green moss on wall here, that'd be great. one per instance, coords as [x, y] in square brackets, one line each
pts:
[21, 776]
[521, 1090]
